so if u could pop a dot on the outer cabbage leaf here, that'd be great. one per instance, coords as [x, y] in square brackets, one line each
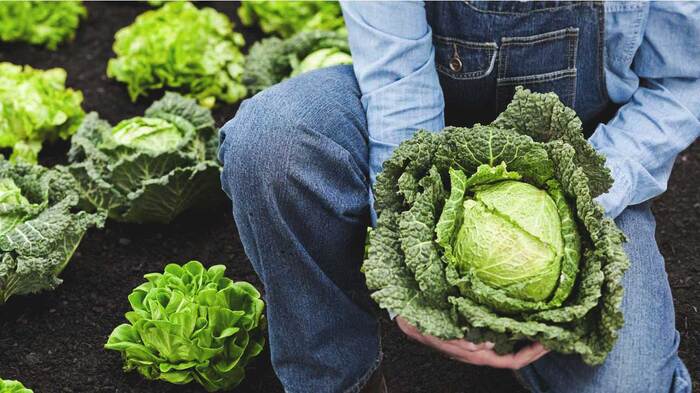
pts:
[148, 169]
[35, 106]
[178, 46]
[581, 315]
[285, 18]
[273, 60]
[191, 324]
[40, 227]
[45, 23]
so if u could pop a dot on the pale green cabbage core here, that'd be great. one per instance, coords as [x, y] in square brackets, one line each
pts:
[147, 134]
[322, 58]
[511, 239]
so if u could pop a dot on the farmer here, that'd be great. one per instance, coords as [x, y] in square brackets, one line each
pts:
[300, 157]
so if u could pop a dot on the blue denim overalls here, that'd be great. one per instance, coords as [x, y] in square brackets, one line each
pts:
[485, 49]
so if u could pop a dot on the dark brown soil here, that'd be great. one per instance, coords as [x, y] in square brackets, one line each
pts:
[53, 341]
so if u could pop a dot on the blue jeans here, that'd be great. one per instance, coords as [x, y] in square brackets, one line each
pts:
[295, 166]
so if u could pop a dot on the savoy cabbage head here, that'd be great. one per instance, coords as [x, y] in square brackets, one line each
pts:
[191, 323]
[149, 168]
[180, 47]
[40, 227]
[490, 233]
[47, 23]
[273, 60]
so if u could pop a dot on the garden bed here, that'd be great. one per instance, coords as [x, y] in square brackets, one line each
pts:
[53, 342]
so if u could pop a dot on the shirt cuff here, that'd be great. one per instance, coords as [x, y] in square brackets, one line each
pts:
[620, 194]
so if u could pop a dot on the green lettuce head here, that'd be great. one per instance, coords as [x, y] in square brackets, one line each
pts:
[273, 60]
[191, 324]
[490, 233]
[46, 23]
[184, 48]
[9, 386]
[149, 168]
[286, 18]
[40, 227]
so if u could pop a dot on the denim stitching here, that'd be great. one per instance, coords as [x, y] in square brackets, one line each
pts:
[543, 37]
[603, 93]
[357, 387]
[468, 75]
[478, 74]
[477, 9]
[468, 44]
[539, 78]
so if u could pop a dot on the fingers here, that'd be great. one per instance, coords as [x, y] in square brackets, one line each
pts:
[477, 354]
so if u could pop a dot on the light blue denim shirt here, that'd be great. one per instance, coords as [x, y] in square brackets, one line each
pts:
[652, 69]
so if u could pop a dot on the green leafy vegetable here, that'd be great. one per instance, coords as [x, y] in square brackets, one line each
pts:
[35, 106]
[285, 18]
[10, 386]
[273, 60]
[47, 23]
[151, 168]
[180, 47]
[191, 324]
[40, 227]
[491, 233]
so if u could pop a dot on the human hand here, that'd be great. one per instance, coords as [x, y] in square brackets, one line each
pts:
[476, 354]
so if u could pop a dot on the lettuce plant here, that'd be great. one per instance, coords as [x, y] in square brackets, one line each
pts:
[191, 324]
[286, 18]
[10, 386]
[273, 60]
[150, 168]
[35, 106]
[490, 233]
[180, 47]
[40, 227]
[47, 23]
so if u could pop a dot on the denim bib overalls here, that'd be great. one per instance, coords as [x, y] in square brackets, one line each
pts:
[483, 50]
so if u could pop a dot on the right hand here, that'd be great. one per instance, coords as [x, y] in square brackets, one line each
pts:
[476, 354]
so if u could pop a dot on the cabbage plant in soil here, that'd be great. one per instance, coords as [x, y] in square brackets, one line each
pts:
[273, 60]
[189, 324]
[40, 227]
[491, 233]
[286, 18]
[47, 23]
[148, 168]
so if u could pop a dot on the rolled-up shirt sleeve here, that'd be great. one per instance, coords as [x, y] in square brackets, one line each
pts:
[394, 63]
[662, 117]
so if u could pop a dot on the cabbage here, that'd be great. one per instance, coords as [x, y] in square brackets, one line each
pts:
[273, 60]
[191, 324]
[490, 233]
[148, 168]
[40, 227]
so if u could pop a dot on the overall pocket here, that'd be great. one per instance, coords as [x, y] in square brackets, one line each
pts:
[543, 63]
[466, 68]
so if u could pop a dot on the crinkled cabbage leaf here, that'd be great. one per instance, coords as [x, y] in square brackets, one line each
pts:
[148, 168]
[490, 233]
[190, 324]
[35, 106]
[273, 60]
[40, 227]
[180, 47]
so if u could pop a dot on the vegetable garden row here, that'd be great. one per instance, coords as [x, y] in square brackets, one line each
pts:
[189, 323]
[124, 197]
